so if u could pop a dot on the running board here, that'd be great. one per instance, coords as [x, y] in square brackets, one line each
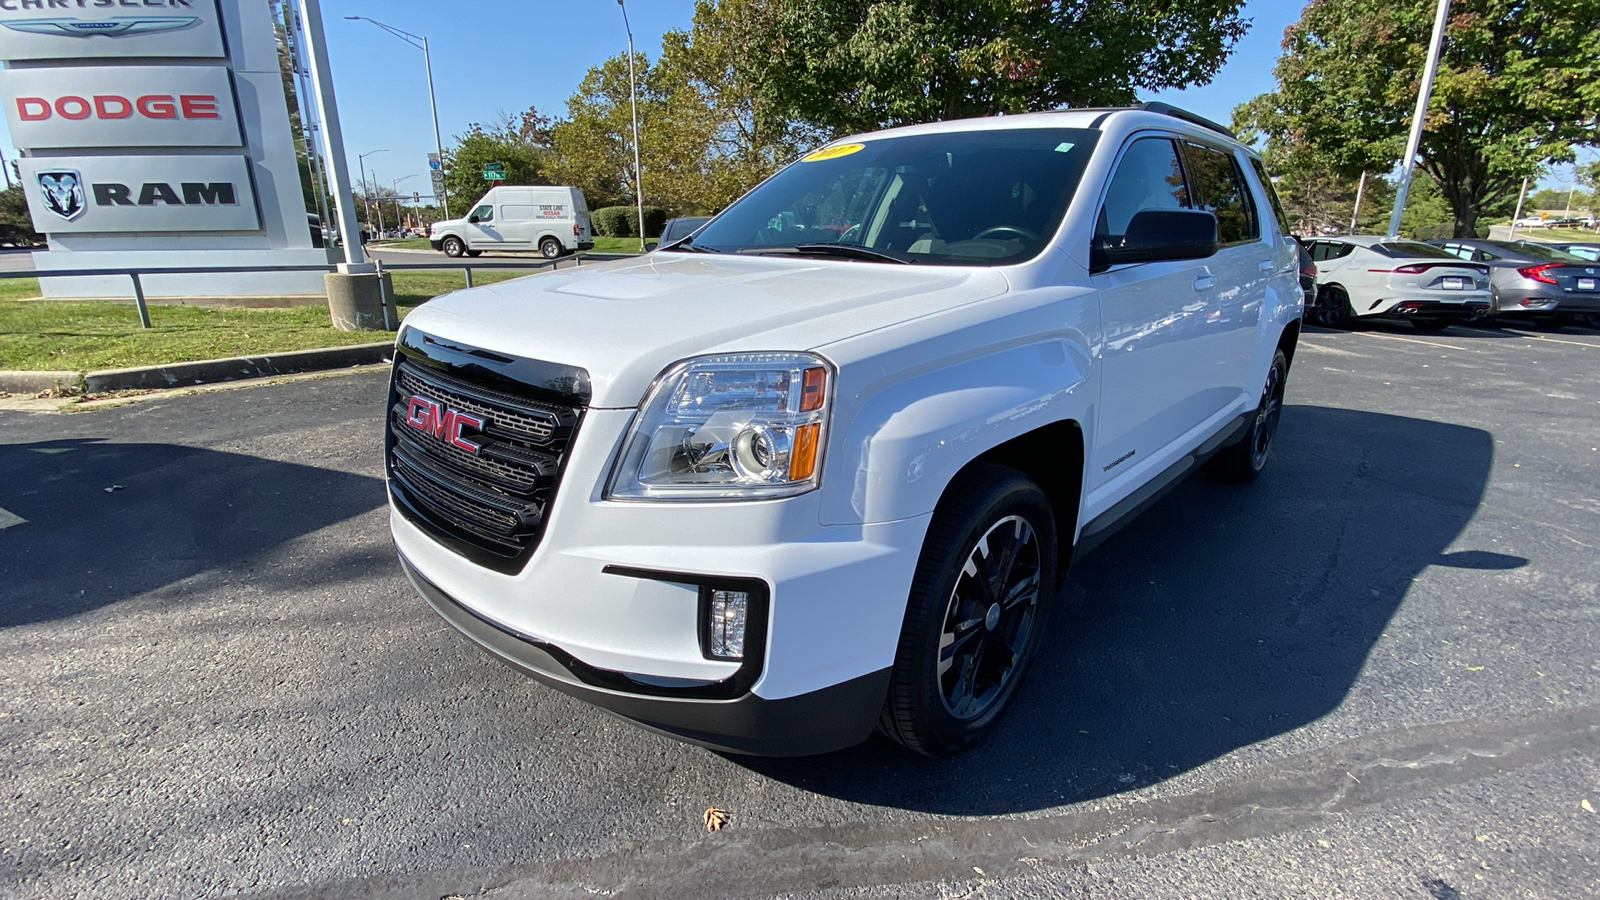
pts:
[1111, 521]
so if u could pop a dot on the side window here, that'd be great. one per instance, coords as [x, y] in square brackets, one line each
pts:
[1221, 190]
[1320, 251]
[1148, 176]
[1458, 250]
[1485, 256]
[1272, 195]
[1345, 250]
[485, 213]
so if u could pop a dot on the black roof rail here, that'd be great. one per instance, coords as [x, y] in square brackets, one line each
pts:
[1168, 109]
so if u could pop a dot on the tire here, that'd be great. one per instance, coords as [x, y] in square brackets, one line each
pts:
[1332, 309]
[550, 248]
[1244, 461]
[1001, 521]
[454, 247]
[1430, 325]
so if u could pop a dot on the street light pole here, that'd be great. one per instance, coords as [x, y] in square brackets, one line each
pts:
[1423, 93]
[366, 194]
[633, 100]
[433, 106]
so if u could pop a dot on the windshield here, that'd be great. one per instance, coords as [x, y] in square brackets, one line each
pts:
[957, 198]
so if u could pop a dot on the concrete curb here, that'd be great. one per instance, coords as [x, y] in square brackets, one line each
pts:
[206, 371]
[209, 371]
[27, 382]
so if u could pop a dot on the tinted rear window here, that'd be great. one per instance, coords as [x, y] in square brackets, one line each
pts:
[1550, 254]
[1412, 248]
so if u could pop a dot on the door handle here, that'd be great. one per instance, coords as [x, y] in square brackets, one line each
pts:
[1265, 266]
[1204, 283]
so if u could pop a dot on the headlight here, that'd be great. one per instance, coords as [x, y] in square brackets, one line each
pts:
[740, 426]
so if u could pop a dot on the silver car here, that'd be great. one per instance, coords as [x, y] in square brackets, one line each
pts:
[1534, 282]
[1373, 277]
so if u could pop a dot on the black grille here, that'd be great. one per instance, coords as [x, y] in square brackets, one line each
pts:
[488, 503]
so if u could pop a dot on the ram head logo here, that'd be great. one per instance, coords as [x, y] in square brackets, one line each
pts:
[63, 193]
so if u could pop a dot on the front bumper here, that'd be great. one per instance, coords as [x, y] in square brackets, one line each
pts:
[436, 243]
[820, 721]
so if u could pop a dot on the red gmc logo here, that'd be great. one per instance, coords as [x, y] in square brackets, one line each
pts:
[432, 417]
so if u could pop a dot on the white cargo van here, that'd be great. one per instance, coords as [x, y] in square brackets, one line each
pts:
[551, 220]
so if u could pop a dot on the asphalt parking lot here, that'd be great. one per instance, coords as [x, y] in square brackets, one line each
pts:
[1372, 673]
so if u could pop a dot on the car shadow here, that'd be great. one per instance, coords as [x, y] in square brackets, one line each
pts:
[105, 521]
[1221, 617]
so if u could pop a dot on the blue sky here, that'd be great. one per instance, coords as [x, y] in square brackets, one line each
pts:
[498, 56]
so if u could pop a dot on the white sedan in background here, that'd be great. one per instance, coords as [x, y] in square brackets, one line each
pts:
[1373, 277]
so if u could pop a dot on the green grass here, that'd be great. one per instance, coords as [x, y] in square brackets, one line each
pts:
[1558, 234]
[90, 335]
[19, 288]
[402, 244]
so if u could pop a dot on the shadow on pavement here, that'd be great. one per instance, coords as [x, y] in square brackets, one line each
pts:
[1221, 617]
[106, 521]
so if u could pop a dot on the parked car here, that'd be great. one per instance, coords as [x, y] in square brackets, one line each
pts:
[1534, 282]
[552, 220]
[773, 487]
[677, 229]
[1308, 274]
[1374, 277]
[1530, 222]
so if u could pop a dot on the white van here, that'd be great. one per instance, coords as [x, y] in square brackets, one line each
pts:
[551, 220]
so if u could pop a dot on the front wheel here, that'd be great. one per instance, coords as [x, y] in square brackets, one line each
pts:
[454, 247]
[1244, 461]
[550, 248]
[975, 614]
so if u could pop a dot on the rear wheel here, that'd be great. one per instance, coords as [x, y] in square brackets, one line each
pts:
[454, 247]
[1245, 460]
[975, 614]
[1332, 309]
[550, 248]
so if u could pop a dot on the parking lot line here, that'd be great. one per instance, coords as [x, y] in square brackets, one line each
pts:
[1537, 337]
[1396, 337]
[8, 519]
[1320, 348]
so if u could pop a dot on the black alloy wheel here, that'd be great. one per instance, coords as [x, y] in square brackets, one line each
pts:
[976, 612]
[1244, 460]
[1332, 309]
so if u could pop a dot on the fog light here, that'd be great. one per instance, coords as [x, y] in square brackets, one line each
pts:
[725, 624]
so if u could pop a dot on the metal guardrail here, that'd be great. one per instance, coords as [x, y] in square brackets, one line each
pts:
[144, 309]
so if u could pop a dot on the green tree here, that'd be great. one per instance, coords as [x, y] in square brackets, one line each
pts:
[1516, 90]
[520, 143]
[856, 65]
[16, 224]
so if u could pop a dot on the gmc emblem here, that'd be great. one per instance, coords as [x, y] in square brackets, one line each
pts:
[429, 416]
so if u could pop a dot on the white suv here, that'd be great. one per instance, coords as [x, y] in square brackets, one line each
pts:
[822, 466]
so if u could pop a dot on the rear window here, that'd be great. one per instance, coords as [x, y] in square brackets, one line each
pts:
[1412, 248]
[1550, 254]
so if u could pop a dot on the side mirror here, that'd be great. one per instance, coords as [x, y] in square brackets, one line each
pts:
[472, 219]
[1155, 235]
[651, 245]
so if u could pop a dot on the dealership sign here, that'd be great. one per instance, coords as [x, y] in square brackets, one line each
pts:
[87, 194]
[120, 106]
[75, 29]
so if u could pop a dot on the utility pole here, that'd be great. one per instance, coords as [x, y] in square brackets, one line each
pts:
[1357, 211]
[633, 99]
[1408, 165]
[1518, 214]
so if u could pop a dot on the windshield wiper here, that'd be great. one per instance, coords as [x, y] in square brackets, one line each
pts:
[687, 245]
[826, 248]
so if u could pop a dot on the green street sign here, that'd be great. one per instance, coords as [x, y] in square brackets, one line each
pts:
[494, 171]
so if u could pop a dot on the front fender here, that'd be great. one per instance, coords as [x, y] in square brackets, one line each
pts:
[907, 439]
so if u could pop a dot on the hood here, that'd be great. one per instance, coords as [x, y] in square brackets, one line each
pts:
[626, 321]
